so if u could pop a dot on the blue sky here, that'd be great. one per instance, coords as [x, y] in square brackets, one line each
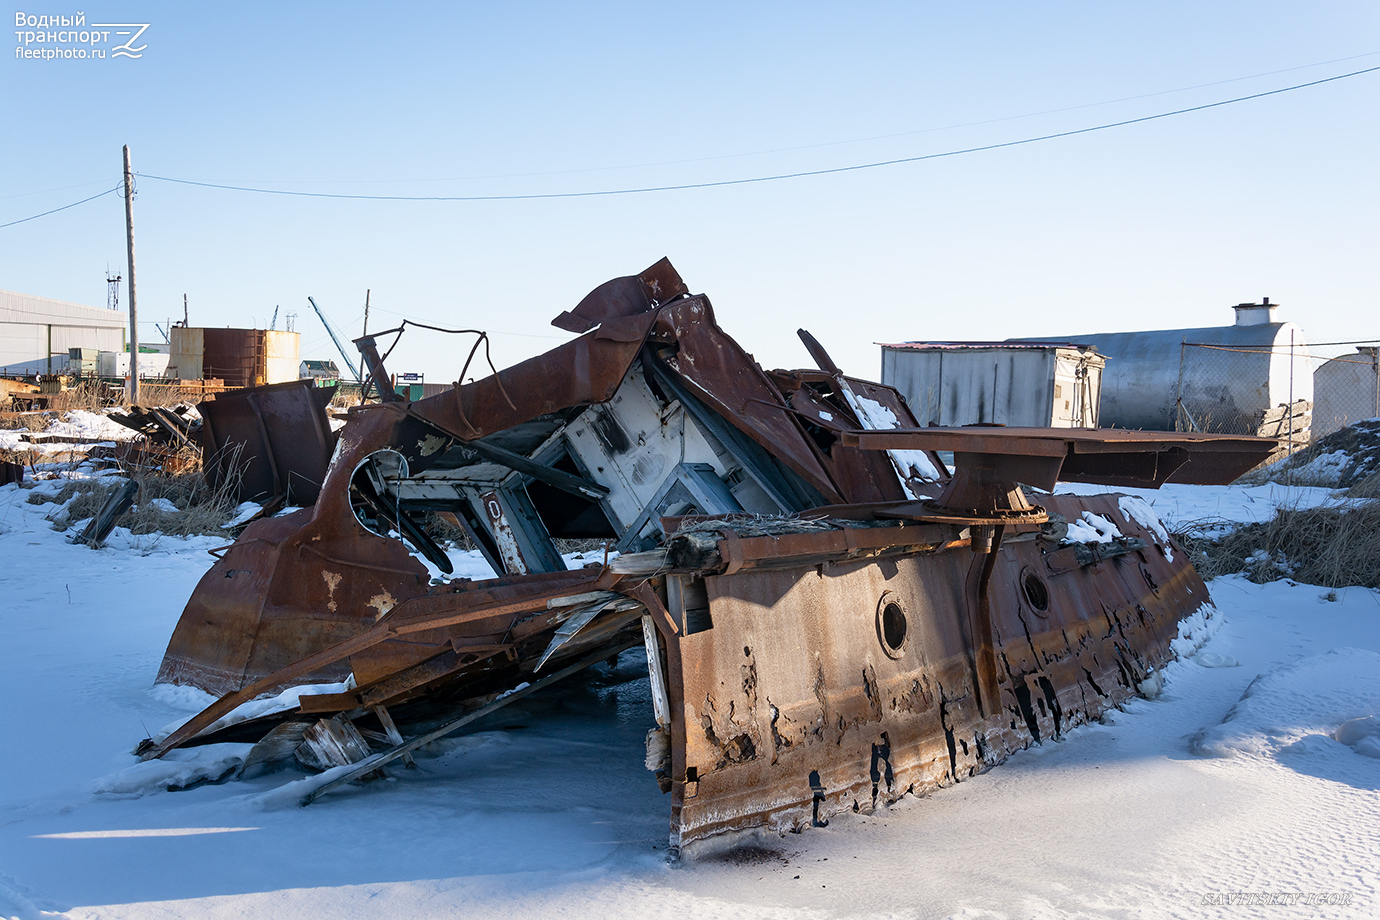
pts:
[1157, 225]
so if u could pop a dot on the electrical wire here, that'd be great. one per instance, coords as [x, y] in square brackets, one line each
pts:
[524, 335]
[838, 143]
[771, 178]
[24, 220]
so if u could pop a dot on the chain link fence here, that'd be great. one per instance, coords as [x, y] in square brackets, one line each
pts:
[1310, 391]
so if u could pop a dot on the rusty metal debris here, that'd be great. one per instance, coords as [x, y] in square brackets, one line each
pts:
[169, 429]
[271, 443]
[832, 618]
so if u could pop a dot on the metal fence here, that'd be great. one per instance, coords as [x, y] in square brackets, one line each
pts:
[1292, 392]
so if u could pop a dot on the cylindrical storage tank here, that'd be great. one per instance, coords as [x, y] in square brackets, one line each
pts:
[1346, 390]
[1228, 377]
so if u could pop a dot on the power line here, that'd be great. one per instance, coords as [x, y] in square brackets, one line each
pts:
[772, 178]
[524, 335]
[45, 191]
[63, 208]
[836, 143]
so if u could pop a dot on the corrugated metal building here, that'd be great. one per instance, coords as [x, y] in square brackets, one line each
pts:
[1054, 385]
[37, 333]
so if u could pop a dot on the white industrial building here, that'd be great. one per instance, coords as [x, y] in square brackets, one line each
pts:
[36, 333]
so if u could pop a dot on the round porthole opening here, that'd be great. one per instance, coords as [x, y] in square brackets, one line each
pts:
[892, 627]
[1036, 594]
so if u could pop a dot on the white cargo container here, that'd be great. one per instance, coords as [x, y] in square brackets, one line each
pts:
[1041, 384]
[116, 363]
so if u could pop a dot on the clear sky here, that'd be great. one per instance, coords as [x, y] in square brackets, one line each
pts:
[1156, 225]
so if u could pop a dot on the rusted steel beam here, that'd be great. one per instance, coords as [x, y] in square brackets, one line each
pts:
[373, 365]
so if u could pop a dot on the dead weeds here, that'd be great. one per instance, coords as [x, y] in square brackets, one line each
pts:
[175, 504]
[1333, 546]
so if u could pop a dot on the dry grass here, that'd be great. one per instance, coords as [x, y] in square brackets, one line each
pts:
[1369, 487]
[93, 397]
[29, 421]
[199, 508]
[345, 399]
[1333, 546]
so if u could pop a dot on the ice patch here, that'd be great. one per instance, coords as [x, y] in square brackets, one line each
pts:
[163, 505]
[189, 699]
[1092, 528]
[78, 423]
[1324, 469]
[874, 416]
[176, 770]
[288, 700]
[1195, 630]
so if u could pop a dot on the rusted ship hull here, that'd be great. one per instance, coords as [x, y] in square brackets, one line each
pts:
[832, 616]
[794, 706]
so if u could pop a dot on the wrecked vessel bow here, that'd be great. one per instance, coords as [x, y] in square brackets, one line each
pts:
[833, 620]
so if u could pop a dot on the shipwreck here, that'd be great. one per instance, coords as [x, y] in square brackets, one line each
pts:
[833, 617]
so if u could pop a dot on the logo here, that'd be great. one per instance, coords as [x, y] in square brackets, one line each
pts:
[50, 38]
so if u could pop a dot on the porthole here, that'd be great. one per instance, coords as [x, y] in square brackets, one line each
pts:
[893, 629]
[1036, 594]
[374, 490]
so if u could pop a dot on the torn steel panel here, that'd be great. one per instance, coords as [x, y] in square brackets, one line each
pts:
[833, 618]
[273, 441]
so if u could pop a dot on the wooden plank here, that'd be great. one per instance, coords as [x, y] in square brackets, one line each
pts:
[391, 730]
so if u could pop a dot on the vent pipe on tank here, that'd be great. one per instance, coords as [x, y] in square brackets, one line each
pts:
[1255, 314]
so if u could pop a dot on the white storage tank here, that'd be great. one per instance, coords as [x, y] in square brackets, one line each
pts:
[1007, 383]
[1346, 390]
[1228, 376]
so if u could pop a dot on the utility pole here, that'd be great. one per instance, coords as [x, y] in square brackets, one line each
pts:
[366, 311]
[133, 307]
[185, 320]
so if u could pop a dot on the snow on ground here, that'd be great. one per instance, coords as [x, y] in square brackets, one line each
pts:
[1179, 505]
[75, 423]
[548, 811]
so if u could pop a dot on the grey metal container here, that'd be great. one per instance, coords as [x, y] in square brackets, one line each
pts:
[1008, 383]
